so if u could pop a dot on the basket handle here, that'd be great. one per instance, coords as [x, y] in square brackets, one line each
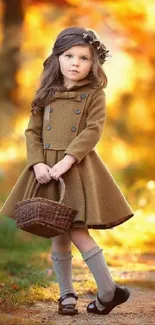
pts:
[61, 189]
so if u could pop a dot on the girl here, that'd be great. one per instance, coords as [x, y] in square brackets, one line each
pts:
[68, 114]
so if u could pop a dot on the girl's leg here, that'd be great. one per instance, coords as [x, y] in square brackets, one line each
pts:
[62, 263]
[93, 256]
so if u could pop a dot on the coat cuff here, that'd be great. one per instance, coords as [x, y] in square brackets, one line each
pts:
[32, 162]
[78, 159]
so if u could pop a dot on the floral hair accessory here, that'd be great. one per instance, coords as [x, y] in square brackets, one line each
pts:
[100, 47]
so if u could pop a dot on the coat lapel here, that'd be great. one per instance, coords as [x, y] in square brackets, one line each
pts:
[66, 95]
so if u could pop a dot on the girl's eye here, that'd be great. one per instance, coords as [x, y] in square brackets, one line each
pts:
[83, 57]
[69, 55]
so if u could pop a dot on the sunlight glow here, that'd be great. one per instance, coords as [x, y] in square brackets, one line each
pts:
[9, 154]
[121, 153]
[21, 125]
[34, 17]
[151, 185]
[150, 12]
[142, 202]
[120, 72]
[151, 218]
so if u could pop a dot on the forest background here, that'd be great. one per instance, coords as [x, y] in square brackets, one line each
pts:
[27, 31]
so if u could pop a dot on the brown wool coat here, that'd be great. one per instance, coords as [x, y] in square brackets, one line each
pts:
[72, 124]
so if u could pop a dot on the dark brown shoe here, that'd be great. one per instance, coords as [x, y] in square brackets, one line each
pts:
[121, 295]
[68, 309]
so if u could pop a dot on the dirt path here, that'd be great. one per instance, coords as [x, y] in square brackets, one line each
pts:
[138, 310]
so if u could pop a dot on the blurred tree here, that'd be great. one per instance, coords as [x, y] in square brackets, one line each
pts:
[133, 115]
[12, 22]
[62, 3]
[12, 30]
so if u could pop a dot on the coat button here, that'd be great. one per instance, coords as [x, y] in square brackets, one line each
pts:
[48, 127]
[78, 111]
[51, 110]
[83, 96]
[47, 145]
[74, 128]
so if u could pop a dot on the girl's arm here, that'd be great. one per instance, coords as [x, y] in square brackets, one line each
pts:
[86, 140]
[33, 135]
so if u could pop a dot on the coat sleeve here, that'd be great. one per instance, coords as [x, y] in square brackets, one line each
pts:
[87, 139]
[34, 143]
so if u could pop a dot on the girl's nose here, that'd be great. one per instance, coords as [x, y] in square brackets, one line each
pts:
[76, 62]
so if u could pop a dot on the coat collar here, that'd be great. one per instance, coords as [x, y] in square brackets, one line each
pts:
[70, 93]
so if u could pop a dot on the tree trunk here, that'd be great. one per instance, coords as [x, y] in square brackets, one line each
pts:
[13, 16]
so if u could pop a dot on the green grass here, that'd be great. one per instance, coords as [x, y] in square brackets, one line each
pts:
[24, 265]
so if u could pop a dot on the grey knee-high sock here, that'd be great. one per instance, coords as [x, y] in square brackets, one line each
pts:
[63, 269]
[96, 262]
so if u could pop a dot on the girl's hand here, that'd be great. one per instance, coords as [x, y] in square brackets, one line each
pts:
[61, 167]
[42, 173]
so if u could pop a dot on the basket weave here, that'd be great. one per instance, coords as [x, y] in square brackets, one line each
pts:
[44, 217]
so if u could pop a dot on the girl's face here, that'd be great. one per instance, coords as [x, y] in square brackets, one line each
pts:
[75, 64]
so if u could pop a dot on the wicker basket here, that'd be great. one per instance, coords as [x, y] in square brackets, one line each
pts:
[44, 217]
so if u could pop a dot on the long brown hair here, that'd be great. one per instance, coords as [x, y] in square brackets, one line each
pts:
[51, 78]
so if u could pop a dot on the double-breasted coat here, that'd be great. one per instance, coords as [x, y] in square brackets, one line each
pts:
[72, 124]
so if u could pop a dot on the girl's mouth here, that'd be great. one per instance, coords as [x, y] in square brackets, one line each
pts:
[74, 71]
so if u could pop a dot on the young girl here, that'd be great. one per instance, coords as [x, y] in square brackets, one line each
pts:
[66, 123]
